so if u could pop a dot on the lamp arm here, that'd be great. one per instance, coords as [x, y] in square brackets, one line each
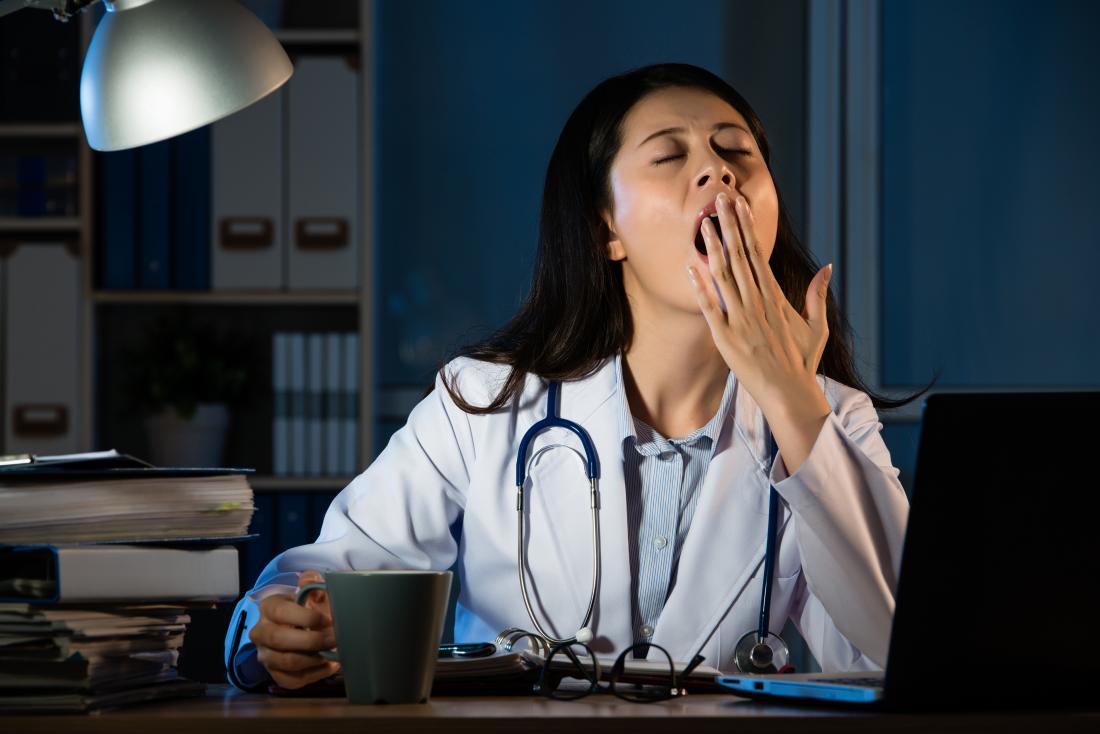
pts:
[62, 9]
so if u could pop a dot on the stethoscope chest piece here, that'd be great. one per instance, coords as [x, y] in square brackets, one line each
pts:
[755, 656]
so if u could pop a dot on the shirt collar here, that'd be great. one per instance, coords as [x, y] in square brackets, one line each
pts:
[647, 441]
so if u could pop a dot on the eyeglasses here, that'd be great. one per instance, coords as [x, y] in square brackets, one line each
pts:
[565, 677]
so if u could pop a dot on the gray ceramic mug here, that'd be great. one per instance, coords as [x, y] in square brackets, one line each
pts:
[388, 626]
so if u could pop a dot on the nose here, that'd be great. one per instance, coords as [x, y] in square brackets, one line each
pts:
[720, 172]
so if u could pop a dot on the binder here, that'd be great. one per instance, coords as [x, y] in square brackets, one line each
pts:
[155, 216]
[315, 372]
[247, 179]
[191, 211]
[66, 573]
[42, 352]
[350, 450]
[280, 444]
[322, 164]
[333, 419]
[118, 214]
[296, 376]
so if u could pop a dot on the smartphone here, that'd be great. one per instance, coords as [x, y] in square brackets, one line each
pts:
[467, 650]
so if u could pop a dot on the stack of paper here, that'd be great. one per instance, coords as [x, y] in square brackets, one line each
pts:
[65, 658]
[101, 557]
[53, 501]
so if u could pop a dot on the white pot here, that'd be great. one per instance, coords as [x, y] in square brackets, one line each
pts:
[198, 442]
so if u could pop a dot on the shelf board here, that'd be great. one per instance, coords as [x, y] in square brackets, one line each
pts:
[244, 298]
[40, 224]
[268, 483]
[318, 36]
[41, 130]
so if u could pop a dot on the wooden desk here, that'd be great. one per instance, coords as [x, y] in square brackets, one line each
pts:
[226, 710]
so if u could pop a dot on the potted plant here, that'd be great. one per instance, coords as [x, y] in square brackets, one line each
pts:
[186, 376]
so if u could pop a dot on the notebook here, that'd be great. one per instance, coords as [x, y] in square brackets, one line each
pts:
[999, 590]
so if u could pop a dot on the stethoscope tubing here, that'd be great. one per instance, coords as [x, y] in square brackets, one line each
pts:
[590, 460]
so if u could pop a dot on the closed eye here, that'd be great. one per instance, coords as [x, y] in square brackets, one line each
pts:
[681, 155]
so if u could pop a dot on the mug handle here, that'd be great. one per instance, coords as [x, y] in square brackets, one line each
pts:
[300, 599]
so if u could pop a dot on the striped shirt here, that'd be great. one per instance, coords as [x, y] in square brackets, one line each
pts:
[663, 477]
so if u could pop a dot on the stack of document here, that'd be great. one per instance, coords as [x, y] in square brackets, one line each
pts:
[115, 497]
[75, 659]
[101, 558]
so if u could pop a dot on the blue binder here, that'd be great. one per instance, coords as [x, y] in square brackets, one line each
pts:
[154, 227]
[118, 212]
[191, 211]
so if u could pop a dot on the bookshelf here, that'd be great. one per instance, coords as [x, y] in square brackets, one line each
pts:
[289, 507]
[266, 307]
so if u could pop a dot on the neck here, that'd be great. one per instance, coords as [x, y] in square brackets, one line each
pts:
[674, 375]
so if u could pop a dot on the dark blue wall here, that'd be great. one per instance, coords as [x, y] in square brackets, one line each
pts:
[470, 100]
[989, 182]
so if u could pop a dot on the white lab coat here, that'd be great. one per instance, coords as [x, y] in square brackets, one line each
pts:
[842, 525]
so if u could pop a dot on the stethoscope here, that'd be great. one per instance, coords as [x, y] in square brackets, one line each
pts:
[758, 650]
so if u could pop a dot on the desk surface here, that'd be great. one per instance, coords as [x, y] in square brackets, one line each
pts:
[226, 710]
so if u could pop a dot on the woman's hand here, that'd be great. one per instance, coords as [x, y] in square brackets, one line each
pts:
[773, 349]
[288, 636]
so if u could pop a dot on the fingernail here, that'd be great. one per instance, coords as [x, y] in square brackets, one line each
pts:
[828, 272]
[741, 203]
[723, 199]
[691, 274]
[330, 641]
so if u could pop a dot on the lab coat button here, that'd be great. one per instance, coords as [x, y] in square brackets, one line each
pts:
[660, 541]
[647, 630]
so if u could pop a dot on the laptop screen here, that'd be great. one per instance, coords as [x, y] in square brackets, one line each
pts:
[999, 593]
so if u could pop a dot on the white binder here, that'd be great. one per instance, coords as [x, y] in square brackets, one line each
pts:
[118, 573]
[322, 174]
[246, 180]
[41, 332]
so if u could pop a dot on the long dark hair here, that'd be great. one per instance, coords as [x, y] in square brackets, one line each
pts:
[576, 314]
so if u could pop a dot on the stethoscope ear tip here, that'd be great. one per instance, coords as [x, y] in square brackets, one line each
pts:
[584, 635]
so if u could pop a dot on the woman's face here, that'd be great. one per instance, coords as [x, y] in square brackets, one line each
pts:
[661, 182]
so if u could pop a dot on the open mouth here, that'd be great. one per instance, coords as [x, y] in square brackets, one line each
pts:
[700, 243]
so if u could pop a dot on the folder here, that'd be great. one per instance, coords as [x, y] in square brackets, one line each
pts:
[118, 175]
[315, 372]
[296, 377]
[350, 449]
[280, 444]
[191, 210]
[41, 332]
[322, 174]
[333, 417]
[247, 179]
[49, 574]
[155, 216]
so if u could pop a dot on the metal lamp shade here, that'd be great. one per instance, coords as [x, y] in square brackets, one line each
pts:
[159, 68]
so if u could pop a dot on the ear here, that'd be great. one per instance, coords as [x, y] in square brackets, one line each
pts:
[615, 249]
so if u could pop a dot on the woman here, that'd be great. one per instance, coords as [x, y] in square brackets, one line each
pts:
[679, 365]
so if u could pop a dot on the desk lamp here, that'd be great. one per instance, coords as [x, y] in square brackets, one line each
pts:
[159, 68]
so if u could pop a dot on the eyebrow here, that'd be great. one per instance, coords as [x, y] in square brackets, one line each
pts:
[671, 130]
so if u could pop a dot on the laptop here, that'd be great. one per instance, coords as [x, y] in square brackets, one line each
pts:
[998, 598]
